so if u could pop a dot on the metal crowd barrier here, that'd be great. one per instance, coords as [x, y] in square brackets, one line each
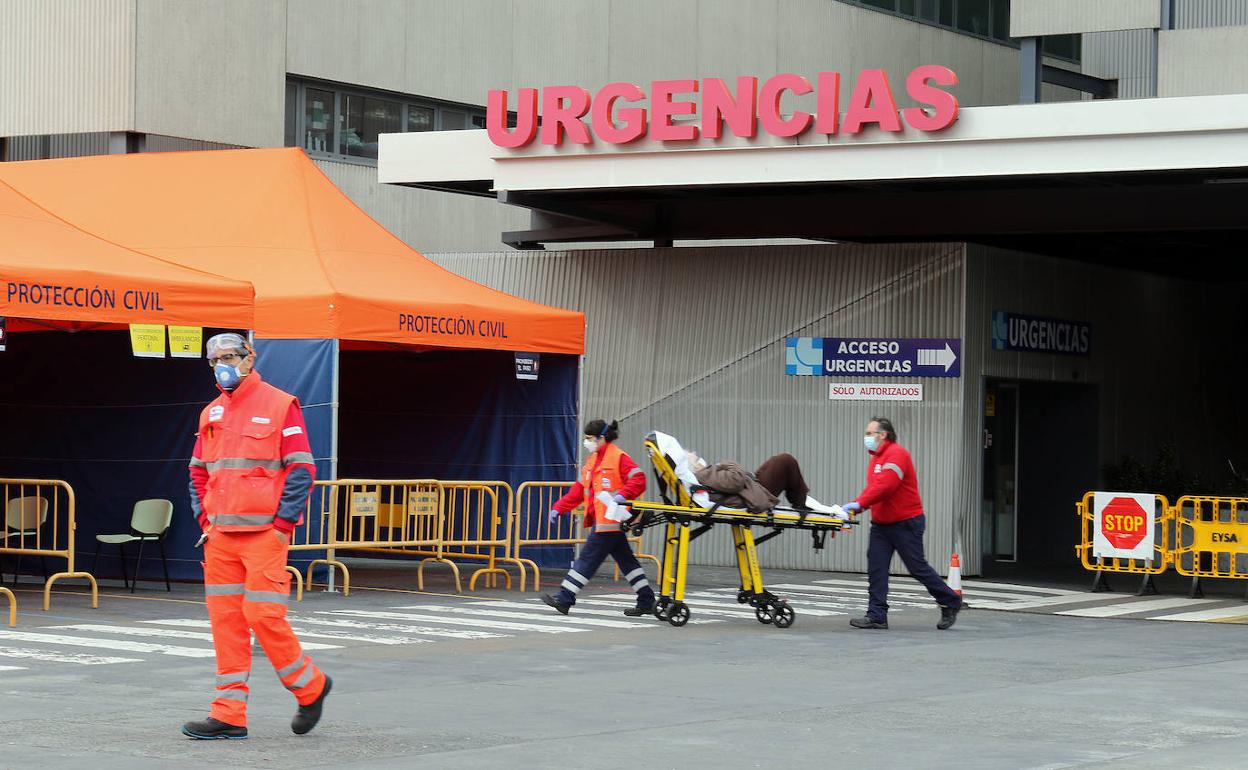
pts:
[1211, 539]
[1162, 538]
[40, 521]
[476, 524]
[6, 593]
[533, 527]
[393, 516]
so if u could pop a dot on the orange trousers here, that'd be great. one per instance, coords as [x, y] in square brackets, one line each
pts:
[247, 588]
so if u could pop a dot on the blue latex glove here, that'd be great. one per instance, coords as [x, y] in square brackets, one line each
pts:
[851, 507]
[554, 515]
[619, 499]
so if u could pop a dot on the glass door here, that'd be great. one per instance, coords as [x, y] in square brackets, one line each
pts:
[999, 523]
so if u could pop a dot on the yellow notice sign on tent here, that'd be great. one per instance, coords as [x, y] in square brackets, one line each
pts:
[147, 340]
[186, 341]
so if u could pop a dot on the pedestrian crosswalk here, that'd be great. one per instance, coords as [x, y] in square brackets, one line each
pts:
[471, 619]
[905, 592]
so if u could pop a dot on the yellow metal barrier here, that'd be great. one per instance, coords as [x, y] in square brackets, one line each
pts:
[476, 524]
[1211, 539]
[1163, 536]
[40, 521]
[314, 535]
[393, 516]
[6, 593]
[532, 527]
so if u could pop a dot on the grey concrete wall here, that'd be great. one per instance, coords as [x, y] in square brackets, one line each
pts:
[1059, 17]
[459, 49]
[211, 71]
[1193, 62]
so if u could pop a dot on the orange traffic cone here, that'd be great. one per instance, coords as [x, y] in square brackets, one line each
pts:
[955, 573]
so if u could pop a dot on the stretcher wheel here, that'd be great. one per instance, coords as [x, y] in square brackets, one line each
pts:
[663, 609]
[784, 615]
[743, 596]
[679, 615]
[763, 613]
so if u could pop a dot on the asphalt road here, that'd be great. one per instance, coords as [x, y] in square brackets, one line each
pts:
[444, 681]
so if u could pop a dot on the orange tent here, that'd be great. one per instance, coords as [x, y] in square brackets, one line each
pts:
[53, 271]
[322, 269]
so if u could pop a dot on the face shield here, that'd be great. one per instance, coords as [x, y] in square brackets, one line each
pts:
[227, 342]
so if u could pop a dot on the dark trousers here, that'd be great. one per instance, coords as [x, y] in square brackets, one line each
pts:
[598, 546]
[905, 538]
[782, 474]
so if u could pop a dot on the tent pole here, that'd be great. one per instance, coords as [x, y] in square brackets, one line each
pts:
[333, 440]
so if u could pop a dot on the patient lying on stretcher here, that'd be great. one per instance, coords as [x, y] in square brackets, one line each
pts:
[728, 484]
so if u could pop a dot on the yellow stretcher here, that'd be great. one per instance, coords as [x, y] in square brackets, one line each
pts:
[684, 506]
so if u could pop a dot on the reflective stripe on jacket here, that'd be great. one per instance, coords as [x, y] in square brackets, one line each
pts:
[602, 476]
[241, 438]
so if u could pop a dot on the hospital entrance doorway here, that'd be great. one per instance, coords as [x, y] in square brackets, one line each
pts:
[1039, 449]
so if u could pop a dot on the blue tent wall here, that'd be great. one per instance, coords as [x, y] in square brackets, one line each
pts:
[80, 407]
[458, 414]
[305, 368]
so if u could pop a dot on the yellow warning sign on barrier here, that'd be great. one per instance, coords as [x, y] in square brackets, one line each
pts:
[147, 340]
[1218, 536]
[185, 341]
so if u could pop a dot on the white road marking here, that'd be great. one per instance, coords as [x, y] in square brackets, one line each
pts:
[858, 601]
[455, 621]
[449, 633]
[1050, 601]
[580, 610]
[12, 668]
[1128, 606]
[107, 644]
[699, 604]
[50, 656]
[1219, 613]
[172, 634]
[534, 615]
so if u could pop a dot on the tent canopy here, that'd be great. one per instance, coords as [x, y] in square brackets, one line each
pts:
[322, 268]
[51, 270]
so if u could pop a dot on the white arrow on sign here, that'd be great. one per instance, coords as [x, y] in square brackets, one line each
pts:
[937, 357]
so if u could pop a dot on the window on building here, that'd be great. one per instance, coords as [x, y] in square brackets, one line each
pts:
[330, 120]
[987, 19]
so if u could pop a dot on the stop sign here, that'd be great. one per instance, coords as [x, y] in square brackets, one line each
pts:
[1124, 522]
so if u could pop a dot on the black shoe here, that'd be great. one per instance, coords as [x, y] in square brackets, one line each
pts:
[638, 611]
[948, 617]
[213, 730]
[307, 716]
[868, 622]
[553, 602]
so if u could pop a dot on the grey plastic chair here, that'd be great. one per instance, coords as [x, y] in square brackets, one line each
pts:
[149, 521]
[23, 517]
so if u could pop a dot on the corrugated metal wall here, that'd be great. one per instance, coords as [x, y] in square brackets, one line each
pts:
[1128, 56]
[666, 351]
[55, 146]
[1189, 14]
[66, 66]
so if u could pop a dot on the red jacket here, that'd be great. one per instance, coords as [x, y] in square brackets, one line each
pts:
[630, 480]
[892, 491]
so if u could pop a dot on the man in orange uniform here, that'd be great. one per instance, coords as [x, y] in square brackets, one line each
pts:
[608, 472]
[251, 473]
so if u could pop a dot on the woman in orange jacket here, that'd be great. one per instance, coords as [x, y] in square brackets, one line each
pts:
[608, 479]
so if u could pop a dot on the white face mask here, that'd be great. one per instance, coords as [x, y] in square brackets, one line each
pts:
[591, 445]
[871, 442]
